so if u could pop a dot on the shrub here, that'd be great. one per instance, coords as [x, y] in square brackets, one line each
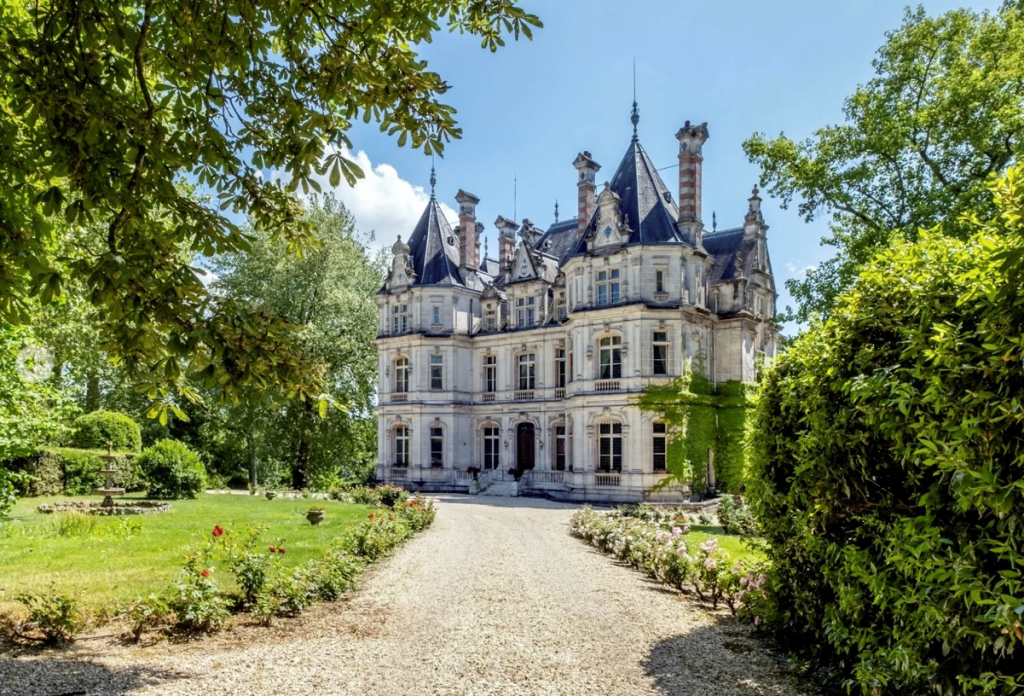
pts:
[143, 614]
[890, 441]
[172, 471]
[94, 430]
[736, 518]
[378, 536]
[56, 470]
[390, 495]
[57, 617]
[334, 574]
[195, 600]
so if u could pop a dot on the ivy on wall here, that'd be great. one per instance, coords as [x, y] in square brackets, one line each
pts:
[702, 417]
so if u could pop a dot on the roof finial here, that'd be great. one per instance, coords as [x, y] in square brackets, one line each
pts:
[556, 210]
[433, 176]
[635, 117]
[485, 248]
[714, 221]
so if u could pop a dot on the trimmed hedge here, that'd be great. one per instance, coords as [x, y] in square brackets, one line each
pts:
[57, 470]
[94, 430]
[890, 470]
[172, 471]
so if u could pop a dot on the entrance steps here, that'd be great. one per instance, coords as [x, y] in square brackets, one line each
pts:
[502, 489]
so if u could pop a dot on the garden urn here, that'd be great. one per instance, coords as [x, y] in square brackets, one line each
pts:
[271, 495]
[315, 517]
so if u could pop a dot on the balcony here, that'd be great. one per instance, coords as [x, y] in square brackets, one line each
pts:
[606, 479]
[399, 397]
[488, 396]
[524, 395]
[607, 385]
[559, 392]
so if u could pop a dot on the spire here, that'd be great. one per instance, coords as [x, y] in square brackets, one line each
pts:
[635, 117]
[556, 210]
[714, 221]
[433, 178]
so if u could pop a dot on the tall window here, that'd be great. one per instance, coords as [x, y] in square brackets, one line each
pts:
[659, 351]
[491, 319]
[559, 448]
[525, 311]
[559, 367]
[659, 280]
[437, 372]
[560, 306]
[491, 442]
[608, 287]
[490, 373]
[435, 317]
[527, 371]
[402, 375]
[400, 318]
[660, 442]
[610, 454]
[611, 357]
[436, 446]
[401, 446]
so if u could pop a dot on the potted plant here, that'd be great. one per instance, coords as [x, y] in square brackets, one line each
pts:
[315, 514]
[474, 484]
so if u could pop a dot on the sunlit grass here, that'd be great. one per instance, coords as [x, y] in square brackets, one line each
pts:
[104, 561]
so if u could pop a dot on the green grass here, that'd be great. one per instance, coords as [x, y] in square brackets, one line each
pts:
[737, 549]
[104, 561]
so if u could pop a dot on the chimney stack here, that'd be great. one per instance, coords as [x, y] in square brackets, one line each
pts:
[469, 253]
[691, 144]
[506, 241]
[587, 168]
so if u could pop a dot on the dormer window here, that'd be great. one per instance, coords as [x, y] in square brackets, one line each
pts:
[525, 311]
[491, 319]
[399, 319]
[608, 287]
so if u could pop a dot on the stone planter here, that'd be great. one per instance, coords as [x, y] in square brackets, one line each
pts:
[315, 517]
[271, 495]
[474, 487]
[515, 488]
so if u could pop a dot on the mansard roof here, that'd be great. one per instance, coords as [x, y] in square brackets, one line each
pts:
[645, 202]
[558, 241]
[723, 246]
[434, 249]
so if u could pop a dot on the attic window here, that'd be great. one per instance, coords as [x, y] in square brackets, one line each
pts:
[451, 240]
[668, 197]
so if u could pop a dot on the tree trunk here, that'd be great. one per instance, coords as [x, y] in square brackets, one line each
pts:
[300, 469]
[92, 392]
[253, 482]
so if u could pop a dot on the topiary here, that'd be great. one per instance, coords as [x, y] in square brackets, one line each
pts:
[94, 430]
[172, 471]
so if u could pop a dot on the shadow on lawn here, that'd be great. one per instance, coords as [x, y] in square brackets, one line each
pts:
[721, 658]
[55, 674]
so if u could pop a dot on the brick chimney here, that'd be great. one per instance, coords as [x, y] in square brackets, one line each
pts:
[469, 251]
[691, 144]
[506, 241]
[587, 168]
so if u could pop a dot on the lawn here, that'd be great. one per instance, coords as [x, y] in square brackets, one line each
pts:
[121, 558]
[738, 549]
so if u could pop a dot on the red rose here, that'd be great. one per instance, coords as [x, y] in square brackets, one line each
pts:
[371, 515]
[272, 549]
[205, 573]
[218, 530]
[281, 550]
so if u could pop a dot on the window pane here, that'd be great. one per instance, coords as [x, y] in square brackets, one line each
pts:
[660, 359]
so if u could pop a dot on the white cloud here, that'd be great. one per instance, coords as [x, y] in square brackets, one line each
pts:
[795, 270]
[382, 201]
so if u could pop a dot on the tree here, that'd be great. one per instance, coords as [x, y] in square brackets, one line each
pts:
[113, 110]
[921, 141]
[328, 294]
[887, 476]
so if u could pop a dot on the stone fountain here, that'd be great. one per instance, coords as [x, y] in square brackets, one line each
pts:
[108, 491]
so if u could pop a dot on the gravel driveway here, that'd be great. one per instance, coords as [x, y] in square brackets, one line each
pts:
[495, 598]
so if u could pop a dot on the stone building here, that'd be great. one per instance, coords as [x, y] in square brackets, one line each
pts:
[533, 361]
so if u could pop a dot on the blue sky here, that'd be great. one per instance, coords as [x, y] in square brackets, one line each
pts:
[526, 111]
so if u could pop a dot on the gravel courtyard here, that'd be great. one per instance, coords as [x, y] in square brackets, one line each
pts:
[495, 598]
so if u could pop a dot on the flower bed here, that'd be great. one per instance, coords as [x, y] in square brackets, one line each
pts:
[655, 541]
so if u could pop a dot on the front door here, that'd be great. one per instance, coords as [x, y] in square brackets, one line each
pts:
[524, 446]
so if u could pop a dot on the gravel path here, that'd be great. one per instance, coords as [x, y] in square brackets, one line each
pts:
[496, 598]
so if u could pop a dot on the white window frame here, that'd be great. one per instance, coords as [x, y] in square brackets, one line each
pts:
[492, 448]
[659, 435]
[560, 368]
[402, 375]
[663, 343]
[402, 439]
[436, 437]
[608, 287]
[490, 373]
[609, 447]
[526, 311]
[527, 371]
[436, 372]
[610, 346]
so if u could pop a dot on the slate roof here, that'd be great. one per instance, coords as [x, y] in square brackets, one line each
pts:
[558, 241]
[722, 246]
[434, 249]
[645, 201]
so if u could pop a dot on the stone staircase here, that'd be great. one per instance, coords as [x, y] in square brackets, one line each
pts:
[501, 489]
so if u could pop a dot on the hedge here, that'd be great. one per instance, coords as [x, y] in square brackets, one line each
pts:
[58, 470]
[94, 430]
[889, 471]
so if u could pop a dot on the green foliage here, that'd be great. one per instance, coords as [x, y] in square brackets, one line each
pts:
[919, 143]
[79, 469]
[701, 417]
[215, 94]
[95, 430]
[888, 482]
[54, 615]
[172, 471]
[145, 613]
[335, 574]
[736, 518]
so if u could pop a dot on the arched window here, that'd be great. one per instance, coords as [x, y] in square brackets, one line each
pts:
[611, 357]
[402, 375]
[401, 446]
[609, 447]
